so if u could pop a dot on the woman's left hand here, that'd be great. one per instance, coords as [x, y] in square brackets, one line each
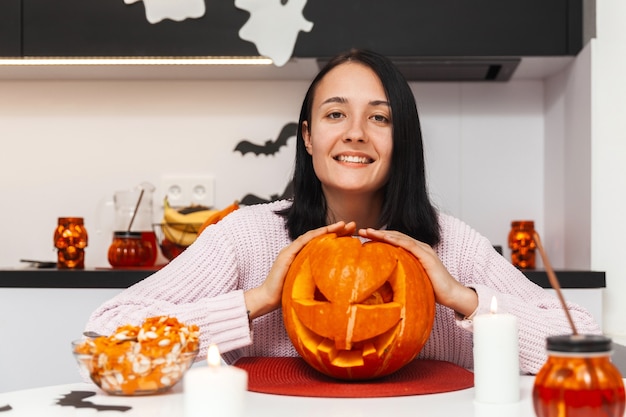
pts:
[448, 291]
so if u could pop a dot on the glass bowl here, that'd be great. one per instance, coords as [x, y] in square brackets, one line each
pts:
[128, 369]
[174, 238]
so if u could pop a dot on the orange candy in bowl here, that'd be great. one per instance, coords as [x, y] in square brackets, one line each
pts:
[139, 360]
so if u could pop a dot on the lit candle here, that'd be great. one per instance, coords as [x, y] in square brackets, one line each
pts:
[214, 389]
[496, 357]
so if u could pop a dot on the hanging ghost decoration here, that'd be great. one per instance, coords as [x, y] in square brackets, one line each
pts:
[178, 10]
[274, 26]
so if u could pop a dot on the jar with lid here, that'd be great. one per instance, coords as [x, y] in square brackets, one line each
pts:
[578, 379]
[129, 249]
[70, 239]
[522, 244]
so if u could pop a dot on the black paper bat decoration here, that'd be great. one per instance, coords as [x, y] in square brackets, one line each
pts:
[270, 147]
[77, 399]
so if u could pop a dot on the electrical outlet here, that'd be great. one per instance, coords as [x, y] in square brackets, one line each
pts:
[185, 190]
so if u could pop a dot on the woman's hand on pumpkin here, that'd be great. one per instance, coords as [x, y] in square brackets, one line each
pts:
[267, 297]
[448, 291]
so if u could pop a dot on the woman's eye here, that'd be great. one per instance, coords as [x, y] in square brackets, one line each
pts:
[335, 115]
[380, 118]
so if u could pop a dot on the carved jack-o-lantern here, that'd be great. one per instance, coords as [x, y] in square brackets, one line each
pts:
[357, 310]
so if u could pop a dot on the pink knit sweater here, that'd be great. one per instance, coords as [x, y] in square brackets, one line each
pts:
[205, 285]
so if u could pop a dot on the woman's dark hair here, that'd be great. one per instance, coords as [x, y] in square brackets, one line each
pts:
[406, 206]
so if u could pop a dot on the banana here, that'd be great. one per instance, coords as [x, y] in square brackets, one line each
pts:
[190, 221]
[183, 226]
[178, 236]
[216, 217]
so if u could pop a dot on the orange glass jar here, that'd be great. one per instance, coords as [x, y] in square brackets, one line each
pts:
[522, 244]
[70, 239]
[578, 379]
[130, 249]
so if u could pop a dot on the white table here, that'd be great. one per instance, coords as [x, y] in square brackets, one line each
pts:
[42, 402]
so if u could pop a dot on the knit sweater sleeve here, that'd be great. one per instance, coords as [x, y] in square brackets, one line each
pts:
[472, 260]
[200, 286]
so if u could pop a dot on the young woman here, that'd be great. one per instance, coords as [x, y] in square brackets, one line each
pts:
[359, 170]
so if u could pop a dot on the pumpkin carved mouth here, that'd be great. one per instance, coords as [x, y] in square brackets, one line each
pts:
[353, 310]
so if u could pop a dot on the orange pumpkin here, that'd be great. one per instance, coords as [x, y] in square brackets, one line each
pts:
[357, 310]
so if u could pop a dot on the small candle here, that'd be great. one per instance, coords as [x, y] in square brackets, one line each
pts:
[496, 357]
[214, 389]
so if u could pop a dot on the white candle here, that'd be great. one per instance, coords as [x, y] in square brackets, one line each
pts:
[496, 357]
[214, 390]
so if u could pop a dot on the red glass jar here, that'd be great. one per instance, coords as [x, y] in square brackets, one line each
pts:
[149, 238]
[578, 379]
[130, 249]
[522, 244]
[70, 239]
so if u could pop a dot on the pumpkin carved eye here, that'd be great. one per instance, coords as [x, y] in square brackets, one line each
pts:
[357, 311]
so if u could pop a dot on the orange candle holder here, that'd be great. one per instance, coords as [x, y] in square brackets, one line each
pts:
[578, 379]
[70, 239]
[130, 249]
[522, 244]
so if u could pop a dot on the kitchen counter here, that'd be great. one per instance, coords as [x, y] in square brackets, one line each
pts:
[124, 278]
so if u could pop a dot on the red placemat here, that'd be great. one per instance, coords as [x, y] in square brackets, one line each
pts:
[293, 376]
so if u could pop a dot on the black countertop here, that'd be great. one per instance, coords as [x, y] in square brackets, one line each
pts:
[124, 278]
[567, 278]
[64, 278]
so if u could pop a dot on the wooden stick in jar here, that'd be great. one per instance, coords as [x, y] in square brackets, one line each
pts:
[554, 282]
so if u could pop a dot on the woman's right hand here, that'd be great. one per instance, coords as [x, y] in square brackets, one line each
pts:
[267, 297]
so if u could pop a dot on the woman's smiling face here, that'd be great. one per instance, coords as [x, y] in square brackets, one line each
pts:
[350, 132]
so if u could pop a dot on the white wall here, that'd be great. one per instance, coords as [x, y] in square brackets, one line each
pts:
[484, 147]
[608, 152]
[567, 164]
[67, 145]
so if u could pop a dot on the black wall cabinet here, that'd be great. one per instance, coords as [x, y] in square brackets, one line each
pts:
[112, 28]
[10, 28]
[445, 27]
[393, 27]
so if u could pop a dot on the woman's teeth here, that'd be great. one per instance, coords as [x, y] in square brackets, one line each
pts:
[353, 159]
